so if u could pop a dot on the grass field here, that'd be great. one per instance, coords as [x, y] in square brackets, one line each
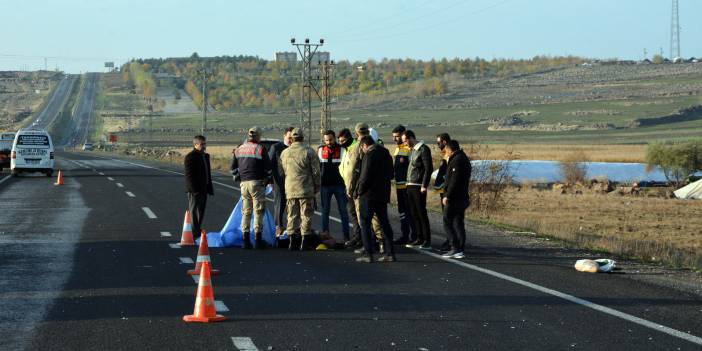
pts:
[650, 228]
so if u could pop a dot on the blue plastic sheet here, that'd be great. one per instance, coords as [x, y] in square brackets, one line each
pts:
[231, 234]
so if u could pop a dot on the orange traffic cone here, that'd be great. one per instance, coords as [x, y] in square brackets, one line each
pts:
[59, 179]
[205, 311]
[186, 239]
[203, 255]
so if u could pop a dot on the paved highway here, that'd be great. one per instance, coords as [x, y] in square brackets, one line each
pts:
[86, 266]
[56, 101]
[83, 112]
[91, 265]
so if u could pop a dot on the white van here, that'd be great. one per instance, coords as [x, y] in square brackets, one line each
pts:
[32, 151]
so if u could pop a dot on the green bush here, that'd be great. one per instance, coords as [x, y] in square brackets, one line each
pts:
[677, 161]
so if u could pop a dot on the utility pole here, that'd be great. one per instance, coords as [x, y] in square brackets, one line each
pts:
[675, 32]
[325, 120]
[307, 52]
[205, 73]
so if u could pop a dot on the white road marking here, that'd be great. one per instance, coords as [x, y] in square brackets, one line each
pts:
[220, 306]
[120, 185]
[6, 178]
[576, 300]
[186, 260]
[102, 174]
[174, 245]
[244, 343]
[166, 234]
[111, 179]
[130, 194]
[685, 336]
[196, 278]
[149, 213]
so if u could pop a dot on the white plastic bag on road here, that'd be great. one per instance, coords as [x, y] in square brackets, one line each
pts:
[603, 265]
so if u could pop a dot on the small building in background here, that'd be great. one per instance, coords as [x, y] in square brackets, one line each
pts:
[289, 56]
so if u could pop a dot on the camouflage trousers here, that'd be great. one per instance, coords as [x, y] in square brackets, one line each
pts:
[253, 199]
[300, 212]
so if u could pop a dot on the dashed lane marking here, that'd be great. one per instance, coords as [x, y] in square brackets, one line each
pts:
[196, 278]
[576, 300]
[130, 194]
[111, 179]
[186, 260]
[120, 185]
[243, 343]
[220, 306]
[102, 174]
[174, 245]
[655, 326]
[149, 213]
[166, 234]
[6, 178]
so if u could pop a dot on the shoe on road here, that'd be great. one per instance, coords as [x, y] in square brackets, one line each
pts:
[359, 251]
[415, 243]
[386, 258]
[365, 259]
[459, 255]
[400, 241]
[449, 254]
[425, 247]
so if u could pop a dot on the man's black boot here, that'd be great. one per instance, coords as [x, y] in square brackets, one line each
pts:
[294, 242]
[247, 242]
[304, 243]
[258, 242]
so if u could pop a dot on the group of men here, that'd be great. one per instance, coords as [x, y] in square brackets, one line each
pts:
[358, 172]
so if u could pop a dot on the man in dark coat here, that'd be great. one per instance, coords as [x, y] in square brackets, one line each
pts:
[279, 199]
[198, 181]
[456, 198]
[373, 191]
[418, 177]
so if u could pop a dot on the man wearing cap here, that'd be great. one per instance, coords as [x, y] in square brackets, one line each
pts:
[300, 168]
[280, 215]
[252, 166]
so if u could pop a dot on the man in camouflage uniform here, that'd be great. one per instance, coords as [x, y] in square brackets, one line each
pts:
[252, 167]
[300, 168]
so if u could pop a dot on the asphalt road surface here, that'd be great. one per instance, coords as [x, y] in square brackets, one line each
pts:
[83, 112]
[56, 101]
[90, 266]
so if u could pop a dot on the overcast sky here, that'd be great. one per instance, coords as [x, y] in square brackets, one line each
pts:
[80, 35]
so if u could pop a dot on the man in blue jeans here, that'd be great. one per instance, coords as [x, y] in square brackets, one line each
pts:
[330, 155]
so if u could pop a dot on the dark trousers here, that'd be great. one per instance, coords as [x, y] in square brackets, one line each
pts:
[339, 192]
[353, 219]
[279, 201]
[380, 209]
[196, 206]
[455, 227]
[418, 210]
[409, 232]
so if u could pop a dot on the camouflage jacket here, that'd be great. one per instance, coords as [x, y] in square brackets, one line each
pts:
[299, 166]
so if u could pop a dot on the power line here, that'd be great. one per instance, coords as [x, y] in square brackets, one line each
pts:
[409, 20]
[432, 26]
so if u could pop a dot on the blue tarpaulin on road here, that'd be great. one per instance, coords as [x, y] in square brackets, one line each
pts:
[231, 235]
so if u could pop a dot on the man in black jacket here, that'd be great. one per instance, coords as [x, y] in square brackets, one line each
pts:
[373, 190]
[456, 198]
[418, 177]
[198, 181]
[279, 200]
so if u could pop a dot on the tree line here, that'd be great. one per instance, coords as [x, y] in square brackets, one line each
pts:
[252, 82]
